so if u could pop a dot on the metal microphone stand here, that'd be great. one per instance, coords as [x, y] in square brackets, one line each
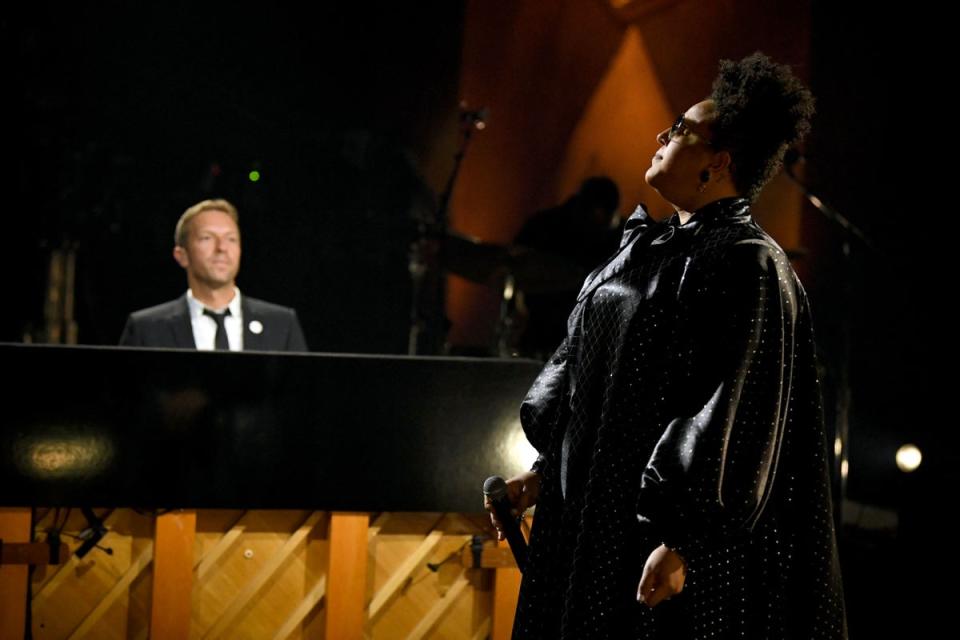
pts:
[429, 242]
[843, 399]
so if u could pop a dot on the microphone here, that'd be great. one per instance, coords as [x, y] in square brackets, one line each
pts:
[495, 488]
[92, 535]
[85, 548]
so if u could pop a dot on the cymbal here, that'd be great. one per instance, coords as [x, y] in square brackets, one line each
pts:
[537, 271]
[487, 263]
[472, 259]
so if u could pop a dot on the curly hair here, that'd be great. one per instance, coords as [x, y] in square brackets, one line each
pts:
[761, 110]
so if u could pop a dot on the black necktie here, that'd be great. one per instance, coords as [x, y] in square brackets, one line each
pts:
[220, 342]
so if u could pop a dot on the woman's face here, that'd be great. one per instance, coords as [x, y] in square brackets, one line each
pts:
[683, 154]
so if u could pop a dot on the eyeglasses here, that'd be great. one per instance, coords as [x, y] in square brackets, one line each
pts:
[681, 125]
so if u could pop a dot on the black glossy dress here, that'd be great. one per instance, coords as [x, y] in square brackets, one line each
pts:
[684, 408]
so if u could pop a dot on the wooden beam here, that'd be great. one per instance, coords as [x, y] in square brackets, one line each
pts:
[506, 588]
[491, 557]
[305, 607]
[396, 581]
[378, 523]
[438, 610]
[209, 559]
[121, 588]
[170, 610]
[14, 527]
[32, 553]
[64, 571]
[347, 575]
[238, 605]
[483, 631]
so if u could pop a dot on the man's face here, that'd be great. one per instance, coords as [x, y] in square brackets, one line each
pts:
[212, 252]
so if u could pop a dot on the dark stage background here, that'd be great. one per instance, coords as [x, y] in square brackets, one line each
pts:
[130, 113]
[123, 116]
[876, 156]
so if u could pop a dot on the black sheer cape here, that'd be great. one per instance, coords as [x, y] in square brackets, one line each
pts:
[684, 408]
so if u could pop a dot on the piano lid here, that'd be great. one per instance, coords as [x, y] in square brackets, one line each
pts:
[156, 428]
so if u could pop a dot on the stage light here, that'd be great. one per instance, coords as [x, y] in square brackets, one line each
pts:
[908, 458]
[254, 176]
[65, 457]
[521, 453]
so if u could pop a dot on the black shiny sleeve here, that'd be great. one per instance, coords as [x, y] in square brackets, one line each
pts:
[712, 468]
[543, 407]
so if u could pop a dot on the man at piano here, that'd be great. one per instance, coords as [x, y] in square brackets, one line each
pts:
[212, 314]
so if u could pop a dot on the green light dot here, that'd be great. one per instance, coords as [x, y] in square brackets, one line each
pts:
[254, 176]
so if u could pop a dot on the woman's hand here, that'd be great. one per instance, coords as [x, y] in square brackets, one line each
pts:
[663, 576]
[522, 492]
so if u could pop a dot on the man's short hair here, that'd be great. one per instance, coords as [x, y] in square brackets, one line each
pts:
[183, 224]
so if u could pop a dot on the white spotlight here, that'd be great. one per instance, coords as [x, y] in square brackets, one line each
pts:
[908, 458]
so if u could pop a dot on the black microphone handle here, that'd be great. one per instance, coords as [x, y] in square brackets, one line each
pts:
[86, 547]
[508, 523]
[511, 529]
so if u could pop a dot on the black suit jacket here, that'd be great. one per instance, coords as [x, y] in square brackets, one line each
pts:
[168, 325]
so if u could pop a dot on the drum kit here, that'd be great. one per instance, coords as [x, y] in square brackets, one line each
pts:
[490, 264]
[512, 270]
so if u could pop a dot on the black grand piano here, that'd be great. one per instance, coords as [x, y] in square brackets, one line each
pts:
[179, 432]
[169, 428]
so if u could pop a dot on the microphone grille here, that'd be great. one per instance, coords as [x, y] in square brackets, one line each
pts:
[495, 487]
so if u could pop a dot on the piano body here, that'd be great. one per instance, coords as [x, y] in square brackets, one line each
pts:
[256, 494]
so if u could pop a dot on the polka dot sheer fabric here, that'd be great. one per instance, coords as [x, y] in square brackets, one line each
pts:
[683, 408]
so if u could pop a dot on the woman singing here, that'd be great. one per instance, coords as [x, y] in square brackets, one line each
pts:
[682, 487]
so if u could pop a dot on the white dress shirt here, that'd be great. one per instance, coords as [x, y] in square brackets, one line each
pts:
[205, 327]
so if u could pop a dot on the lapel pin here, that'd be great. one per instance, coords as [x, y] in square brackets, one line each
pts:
[256, 327]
